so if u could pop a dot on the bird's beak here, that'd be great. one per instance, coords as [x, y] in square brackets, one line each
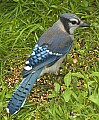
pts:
[83, 24]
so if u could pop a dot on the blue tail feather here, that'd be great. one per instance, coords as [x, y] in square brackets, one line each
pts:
[18, 98]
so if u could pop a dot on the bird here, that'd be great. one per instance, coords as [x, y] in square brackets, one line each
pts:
[46, 57]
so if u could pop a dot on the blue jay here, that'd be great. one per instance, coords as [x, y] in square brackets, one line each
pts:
[47, 56]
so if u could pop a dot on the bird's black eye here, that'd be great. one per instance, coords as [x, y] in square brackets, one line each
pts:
[73, 22]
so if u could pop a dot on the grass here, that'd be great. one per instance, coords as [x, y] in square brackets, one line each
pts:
[74, 93]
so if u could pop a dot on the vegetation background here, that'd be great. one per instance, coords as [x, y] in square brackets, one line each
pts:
[74, 93]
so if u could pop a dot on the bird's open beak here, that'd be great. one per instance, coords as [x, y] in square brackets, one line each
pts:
[83, 24]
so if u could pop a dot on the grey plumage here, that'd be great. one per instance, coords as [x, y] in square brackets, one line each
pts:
[56, 42]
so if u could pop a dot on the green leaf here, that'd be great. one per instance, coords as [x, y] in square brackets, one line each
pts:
[72, 6]
[53, 6]
[1, 106]
[66, 95]
[94, 98]
[57, 87]
[84, 3]
[52, 95]
[67, 79]
[16, 0]
[77, 75]
[75, 96]
[2, 95]
[91, 82]
[45, 3]
[94, 74]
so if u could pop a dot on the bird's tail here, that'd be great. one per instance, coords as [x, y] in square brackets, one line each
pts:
[18, 98]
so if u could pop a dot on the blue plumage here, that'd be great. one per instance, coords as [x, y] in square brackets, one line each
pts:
[40, 57]
[18, 98]
[46, 56]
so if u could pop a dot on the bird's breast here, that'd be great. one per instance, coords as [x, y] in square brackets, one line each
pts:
[54, 68]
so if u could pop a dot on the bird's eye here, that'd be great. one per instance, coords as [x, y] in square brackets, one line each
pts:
[73, 22]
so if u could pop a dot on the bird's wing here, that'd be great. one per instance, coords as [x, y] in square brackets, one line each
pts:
[40, 57]
[50, 48]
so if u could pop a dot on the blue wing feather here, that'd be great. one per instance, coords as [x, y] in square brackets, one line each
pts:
[39, 58]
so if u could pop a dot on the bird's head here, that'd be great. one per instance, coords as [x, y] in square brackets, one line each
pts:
[71, 22]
